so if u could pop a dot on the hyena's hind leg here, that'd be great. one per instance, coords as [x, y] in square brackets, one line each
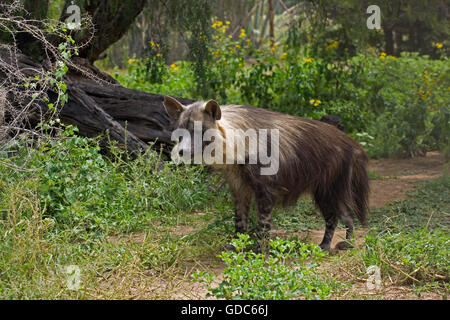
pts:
[329, 214]
[333, 207]
[347, 219]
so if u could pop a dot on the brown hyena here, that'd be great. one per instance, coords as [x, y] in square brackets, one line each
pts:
[313, 157]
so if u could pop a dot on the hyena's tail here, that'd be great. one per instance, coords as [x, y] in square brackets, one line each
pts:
[360, 187]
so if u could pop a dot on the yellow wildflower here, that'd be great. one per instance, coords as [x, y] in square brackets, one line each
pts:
[317, 103]
[159, 55]
[308, 60]
[227, 22]
[230, 36]
[238, 46]
[283, 55]
[311, 101]
[383, 55]
[242, 35]
[439, 45]
[332, 45]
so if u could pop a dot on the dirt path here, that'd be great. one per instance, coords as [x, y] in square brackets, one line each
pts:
[398, 176]
[394, 178]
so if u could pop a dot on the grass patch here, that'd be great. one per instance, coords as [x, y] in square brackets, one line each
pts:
[303, 216]
[427, 206]
[68, 205]
[136, 232]
[373, 175]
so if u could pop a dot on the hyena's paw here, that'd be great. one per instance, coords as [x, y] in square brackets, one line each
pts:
[344, 245]
[325, 247]
[227, 247]
[263, 243]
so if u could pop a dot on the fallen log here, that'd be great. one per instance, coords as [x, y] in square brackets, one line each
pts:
[100, 104]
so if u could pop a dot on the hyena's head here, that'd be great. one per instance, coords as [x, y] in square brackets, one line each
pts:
[195, 126]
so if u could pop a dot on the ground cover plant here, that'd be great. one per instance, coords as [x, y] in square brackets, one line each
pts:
[85, 218]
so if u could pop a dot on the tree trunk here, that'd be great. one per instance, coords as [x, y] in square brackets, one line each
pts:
[271, 26]
[111, 18]
[389, 40]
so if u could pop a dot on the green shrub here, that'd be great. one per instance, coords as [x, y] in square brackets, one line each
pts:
[287, 273]
[83, 190]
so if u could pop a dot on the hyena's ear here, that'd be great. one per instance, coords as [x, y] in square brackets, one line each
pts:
[213, 108]
[173, 107]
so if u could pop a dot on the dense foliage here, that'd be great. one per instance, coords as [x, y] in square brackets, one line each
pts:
[395, 106]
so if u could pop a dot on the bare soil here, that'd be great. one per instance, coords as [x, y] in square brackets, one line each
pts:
[401, 175]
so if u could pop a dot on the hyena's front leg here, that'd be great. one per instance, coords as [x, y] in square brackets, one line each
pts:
[243, 196]
[264, 204]
[242, 200]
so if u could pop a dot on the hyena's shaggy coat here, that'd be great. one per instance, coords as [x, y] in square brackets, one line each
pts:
[314, 157]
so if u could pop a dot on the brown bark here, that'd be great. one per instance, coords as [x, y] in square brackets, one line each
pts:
[271, 25]
[389, 40]
[111, 19]
[131, 117]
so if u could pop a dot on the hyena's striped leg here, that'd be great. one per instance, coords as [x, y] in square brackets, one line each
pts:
[242, 201]
[243, 195]
[330, 227]
[347, 218]
[329, 214]
[264, 204]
